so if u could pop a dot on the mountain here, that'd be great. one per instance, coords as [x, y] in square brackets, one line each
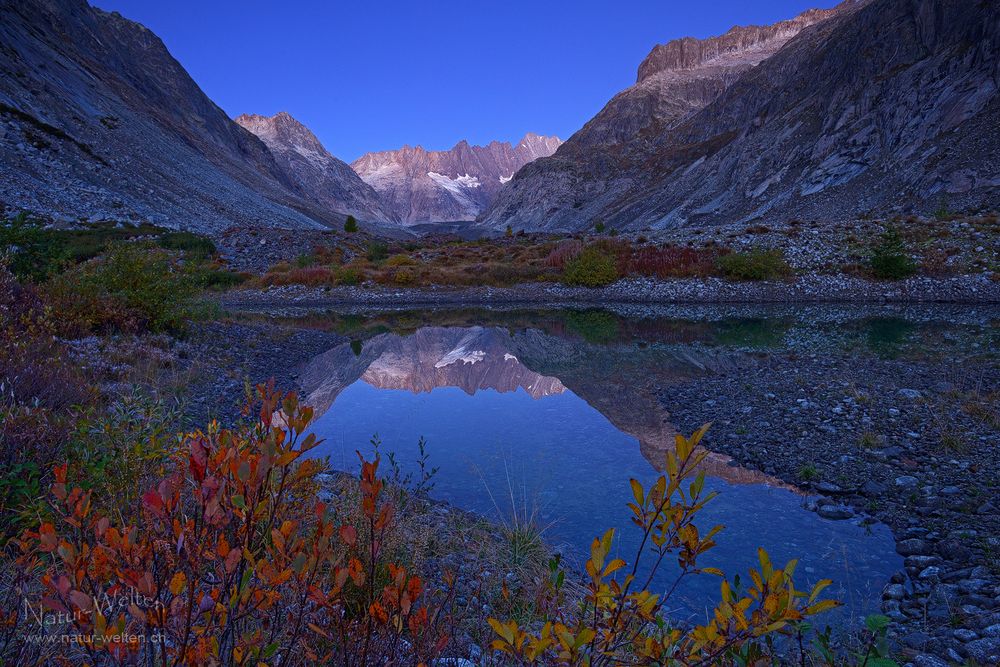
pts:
[98, 121]
[447, 186]
[871, 107]
[305, 162]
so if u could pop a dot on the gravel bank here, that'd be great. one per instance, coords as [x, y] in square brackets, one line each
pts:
[912, 443]
[805, 289]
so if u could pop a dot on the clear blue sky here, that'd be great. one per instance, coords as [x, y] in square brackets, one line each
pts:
[367, 75]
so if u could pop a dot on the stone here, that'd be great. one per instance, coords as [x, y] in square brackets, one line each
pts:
[985, 651]
[835, 512]
[894, 592]
[873, 488]
[932, 573]
[916, 639]
[906, 481]
[828, 487]
[951, 491]
[913, 547]
[925, 660]
[965, 635]
[911, 394]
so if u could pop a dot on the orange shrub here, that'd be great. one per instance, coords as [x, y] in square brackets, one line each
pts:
[226, 565]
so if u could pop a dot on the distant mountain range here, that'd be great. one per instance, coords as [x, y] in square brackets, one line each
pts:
[874, 106]
[871, 107]
[446, 186]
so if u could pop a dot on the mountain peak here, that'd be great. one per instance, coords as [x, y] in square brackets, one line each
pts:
[310, 165]
[452, 185]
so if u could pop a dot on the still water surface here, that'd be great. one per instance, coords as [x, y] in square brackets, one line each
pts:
[515, 419]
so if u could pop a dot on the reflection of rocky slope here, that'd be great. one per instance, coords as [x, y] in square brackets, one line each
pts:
[470, 359]
[619, 381]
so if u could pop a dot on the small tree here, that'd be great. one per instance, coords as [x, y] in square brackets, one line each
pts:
[889, 259]
[351, 224]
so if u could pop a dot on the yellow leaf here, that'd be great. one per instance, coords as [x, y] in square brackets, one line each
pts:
[177, 583]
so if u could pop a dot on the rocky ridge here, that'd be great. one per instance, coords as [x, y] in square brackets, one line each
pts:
[99, 122]
[313, 169]
[418, 185]
[873, 105]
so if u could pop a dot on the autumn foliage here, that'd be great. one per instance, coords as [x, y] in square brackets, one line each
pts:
[621, 621]
[229, 562]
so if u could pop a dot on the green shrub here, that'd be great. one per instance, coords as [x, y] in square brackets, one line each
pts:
[351, 224]
[219, 279]
[133, 287]
[404, 276]
[34, 252]
[593, 267]
[349, 276]
[38, 252]
[401, 260]
[194, 244]
[755, 264]
[377, 251]
[889, 260]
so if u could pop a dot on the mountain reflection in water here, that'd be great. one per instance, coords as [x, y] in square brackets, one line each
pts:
[564, 426]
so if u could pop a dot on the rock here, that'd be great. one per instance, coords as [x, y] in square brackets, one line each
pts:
[951, 491]
[992, 631]
[965, 635]
[911, 394]
[828, 487]
[835, 512]
[873, 488]
[985, 651]
[906, 481]
[913, 547]
[894, 592]
[916, 639]
[932, 573]
[924, 660]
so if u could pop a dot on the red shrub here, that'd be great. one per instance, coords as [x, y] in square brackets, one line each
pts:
[668, 262]
[564, 252]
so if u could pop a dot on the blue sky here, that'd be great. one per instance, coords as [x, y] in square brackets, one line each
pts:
[369, 75]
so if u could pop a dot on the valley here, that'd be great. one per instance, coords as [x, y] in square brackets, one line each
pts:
[716, 371]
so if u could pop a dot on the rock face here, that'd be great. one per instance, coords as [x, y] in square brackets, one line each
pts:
[311, 167]
[98, 121]
[447, 186]
[872, 105]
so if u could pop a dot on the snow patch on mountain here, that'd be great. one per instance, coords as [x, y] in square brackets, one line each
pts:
[460, 354]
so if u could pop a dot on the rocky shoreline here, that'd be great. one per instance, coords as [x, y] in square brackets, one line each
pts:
[913, 444]
[815, 288]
